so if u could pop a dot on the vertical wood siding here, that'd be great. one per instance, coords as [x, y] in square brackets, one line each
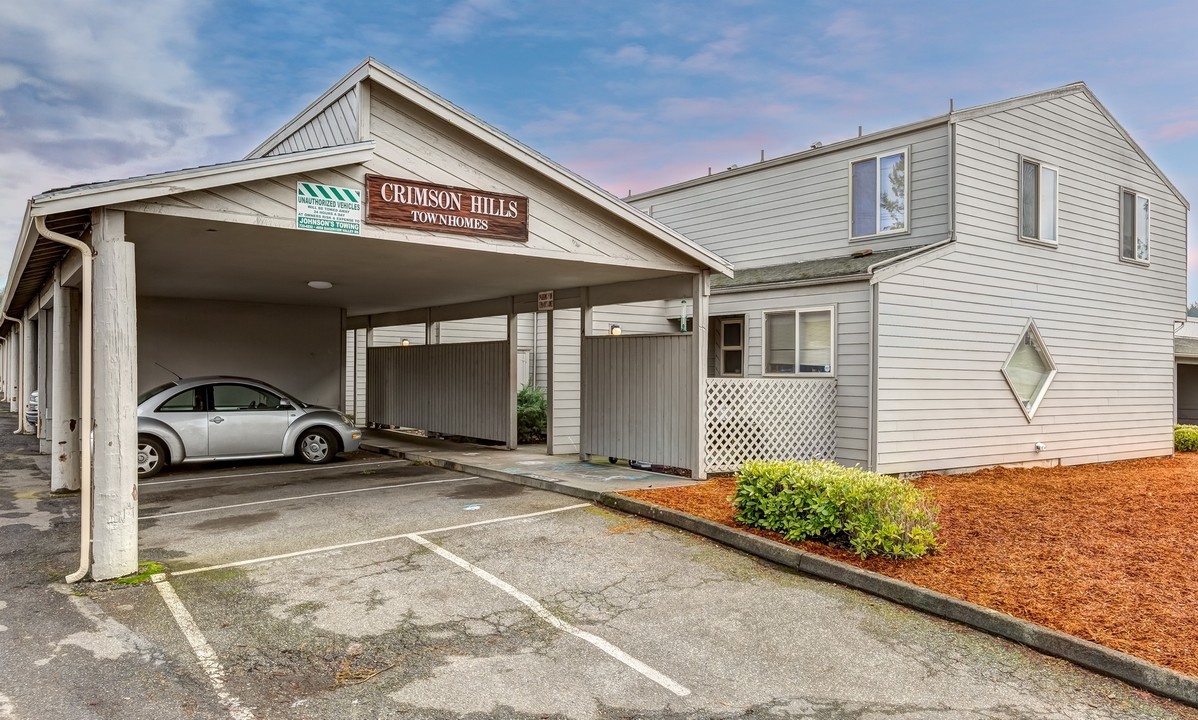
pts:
[800, 210]
[639, 395]
[457, 389]
[947, 327]
[336, 125]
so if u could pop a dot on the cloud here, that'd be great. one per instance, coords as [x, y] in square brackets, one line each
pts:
[98, 91]
[467, 17]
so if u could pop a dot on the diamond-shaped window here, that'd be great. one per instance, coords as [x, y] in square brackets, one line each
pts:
[1029, 370]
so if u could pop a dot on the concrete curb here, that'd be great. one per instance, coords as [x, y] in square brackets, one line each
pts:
[1121, 666]
[1129, 669]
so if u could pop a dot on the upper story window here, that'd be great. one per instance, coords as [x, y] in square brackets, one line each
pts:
[879, 195]
[1037, 202]
[1133, 226]
[799, 342]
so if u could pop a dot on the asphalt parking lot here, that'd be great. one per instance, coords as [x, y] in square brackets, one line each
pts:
[377, 588]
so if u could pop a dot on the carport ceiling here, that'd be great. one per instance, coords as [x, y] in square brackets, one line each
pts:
[188, 258]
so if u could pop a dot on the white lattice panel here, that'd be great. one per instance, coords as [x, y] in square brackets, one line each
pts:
[769, 419]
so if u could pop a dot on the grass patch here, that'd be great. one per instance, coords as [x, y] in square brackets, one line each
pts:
[144, 571]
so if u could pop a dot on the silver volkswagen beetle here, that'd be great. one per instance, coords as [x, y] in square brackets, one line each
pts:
[232, 418]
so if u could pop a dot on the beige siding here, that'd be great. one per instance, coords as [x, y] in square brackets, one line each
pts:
[335, 125]
[634, 318]
[852, 303]
[947, 327]
[800, 210]
[567, 327]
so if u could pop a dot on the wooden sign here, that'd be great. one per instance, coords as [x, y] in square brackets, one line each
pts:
[424, 206]
[545, 300]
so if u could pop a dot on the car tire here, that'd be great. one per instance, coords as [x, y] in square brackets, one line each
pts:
[151, 456]
[316, 446]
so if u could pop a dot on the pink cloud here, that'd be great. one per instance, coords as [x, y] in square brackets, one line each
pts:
[1179, 130]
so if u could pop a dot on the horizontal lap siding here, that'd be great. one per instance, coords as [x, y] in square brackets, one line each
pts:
[800, 210]
[567, 381]
[643, 317]
[947, 327]
[852, 302]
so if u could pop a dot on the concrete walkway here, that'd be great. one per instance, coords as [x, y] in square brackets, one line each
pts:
[564, 471]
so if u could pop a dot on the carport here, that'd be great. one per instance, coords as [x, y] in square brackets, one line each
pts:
[381, 204]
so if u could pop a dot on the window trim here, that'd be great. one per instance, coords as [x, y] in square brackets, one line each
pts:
[1029, 412]
[798, 311]
[1136, 195]
[905, 151]
[1056, 217]
[198, 389]
[733, 320]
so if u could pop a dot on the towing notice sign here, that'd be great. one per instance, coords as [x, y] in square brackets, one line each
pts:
[328, 209]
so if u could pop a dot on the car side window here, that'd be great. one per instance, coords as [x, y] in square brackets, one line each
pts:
[236, 398]
[187, 401]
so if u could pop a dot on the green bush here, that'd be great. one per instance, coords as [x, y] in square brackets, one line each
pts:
[1185, 438]
[871, 514]
[530, 414]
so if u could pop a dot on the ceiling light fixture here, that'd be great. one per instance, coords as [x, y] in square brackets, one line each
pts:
[320, 284]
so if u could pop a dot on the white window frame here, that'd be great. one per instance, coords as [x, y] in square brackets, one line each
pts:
[1029, 410]
[1056, 205]
[1136, 197]
[765, 341]
[877, 158]
[744, 359]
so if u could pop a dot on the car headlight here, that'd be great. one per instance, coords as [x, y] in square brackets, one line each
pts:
[346, 419]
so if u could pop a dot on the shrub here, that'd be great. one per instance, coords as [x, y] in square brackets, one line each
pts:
[1185, 438]
[530, 414]
[871, 514]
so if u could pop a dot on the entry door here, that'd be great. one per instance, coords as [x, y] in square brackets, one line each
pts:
[245, 420]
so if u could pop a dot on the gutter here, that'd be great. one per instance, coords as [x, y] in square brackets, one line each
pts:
[85, 397]
[786, 284]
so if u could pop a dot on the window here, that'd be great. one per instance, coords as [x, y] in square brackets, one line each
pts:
[1133, 226]
[732, 347]
[187, 401]
[226, 398]
[799, 342]
[1029, 369]
[1037, 202]
[879, 195]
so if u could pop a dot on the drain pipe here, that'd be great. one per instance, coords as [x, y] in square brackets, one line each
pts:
[85, 397]
[20, 378]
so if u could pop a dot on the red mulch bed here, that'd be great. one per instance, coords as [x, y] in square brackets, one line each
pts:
[1108, 553]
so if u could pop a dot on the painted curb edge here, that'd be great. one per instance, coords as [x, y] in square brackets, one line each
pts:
[1121, 666]
[1092, 656]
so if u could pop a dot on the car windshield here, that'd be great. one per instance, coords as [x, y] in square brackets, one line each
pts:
[154, 391]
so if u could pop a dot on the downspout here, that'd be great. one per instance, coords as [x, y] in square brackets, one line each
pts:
[85, 397]
[20, 363]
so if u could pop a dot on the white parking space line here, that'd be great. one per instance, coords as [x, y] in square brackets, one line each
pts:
[203, 651]
[372, 541]
[269, 472]
[305, 497]
[555, 621]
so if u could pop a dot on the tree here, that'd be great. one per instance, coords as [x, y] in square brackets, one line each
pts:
[896, 205]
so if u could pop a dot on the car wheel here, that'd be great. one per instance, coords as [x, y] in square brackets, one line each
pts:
[151, 456]
[613, 460]
[316, 446]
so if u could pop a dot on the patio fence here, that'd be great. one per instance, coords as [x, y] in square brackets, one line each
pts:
[769, 419]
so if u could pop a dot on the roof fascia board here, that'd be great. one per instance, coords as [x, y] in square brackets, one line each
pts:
[315, 108]
[25, 242]
[201, 179]
[796, 157]
[462, 120]
[900, 264]
[1136, 146]
[787, 284]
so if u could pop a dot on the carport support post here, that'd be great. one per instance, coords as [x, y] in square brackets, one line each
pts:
[587, 316]
[549, 382]
[44, 394]
[700, 294]
[28, 365]
[513, 360]
[64, 432]
[114, 538]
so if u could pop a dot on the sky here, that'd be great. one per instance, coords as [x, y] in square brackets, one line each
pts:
[631, 95]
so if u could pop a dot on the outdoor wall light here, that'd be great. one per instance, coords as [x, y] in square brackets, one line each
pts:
[614, 329]
[1041, 447]
[320, 284]
[404, 342]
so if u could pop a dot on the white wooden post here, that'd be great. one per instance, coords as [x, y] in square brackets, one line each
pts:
[700, 294]
[28, 366]
[44, 392]
[549, 382]
[64, 433]
[513, 357]
[114, 538]
[587, 316]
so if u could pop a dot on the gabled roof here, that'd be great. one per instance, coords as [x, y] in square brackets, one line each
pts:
[372, 70]
[953, 116]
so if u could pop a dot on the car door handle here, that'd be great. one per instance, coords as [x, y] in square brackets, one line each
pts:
[218, 419]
